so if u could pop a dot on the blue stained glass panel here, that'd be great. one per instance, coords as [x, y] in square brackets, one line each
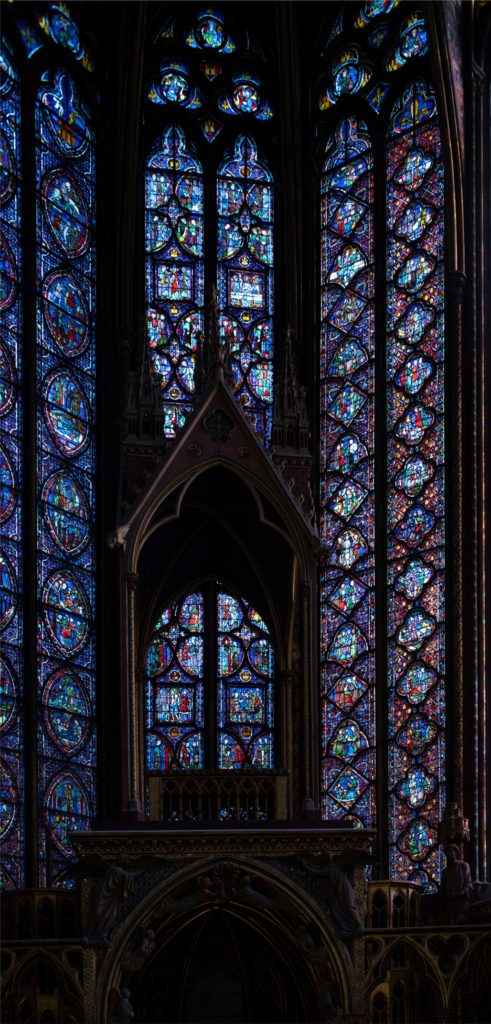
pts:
[66, 308]
[209, 32]
[11, 562]
[346, 475]
[57, 22]
[245, 278]
[174, 700]
[416, 493]
[174, 271]
[245, 686]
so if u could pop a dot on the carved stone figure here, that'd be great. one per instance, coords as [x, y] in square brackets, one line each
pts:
[340, 895]
[140, 948]
[124, 1010]
[456, 889]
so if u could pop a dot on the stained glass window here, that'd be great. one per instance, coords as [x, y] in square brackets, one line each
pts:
[65, 465]
[245, 278]
[174, 699]
[174, 270]
[397, 481]
[59, 25]
[415, 354]
[217, 682]
[11, 618]
[346, 475]
[215, 82]
[245, 690]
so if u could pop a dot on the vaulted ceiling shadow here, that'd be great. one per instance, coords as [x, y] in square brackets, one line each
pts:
[217, 529]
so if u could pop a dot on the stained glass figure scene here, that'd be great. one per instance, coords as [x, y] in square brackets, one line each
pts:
[246, 97]
[57, 23]
[346, 475]
[209, 32]
[416, 491]
[175, 687]
[372, 9]
[245, 278]
[175, 87]
[174, 271]
[12, 801]
[413, 42]
[245, 686]
[65, 453]
[347, 75]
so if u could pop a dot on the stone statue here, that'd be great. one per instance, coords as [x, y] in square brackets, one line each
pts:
[141, 946]
[124, 1011]
[461, 899]
[340, 895]
[456, 888]
[108, 899]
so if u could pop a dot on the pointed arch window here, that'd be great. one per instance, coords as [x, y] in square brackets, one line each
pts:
[11, 430]
[53, 417]
[65, 366]
[226, 241]
[382, 496]
[174, 270]
[210, 685]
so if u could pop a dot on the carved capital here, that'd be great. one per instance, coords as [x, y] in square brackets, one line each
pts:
[117, 539]
[478, 80]
[456, 289]
[132, 581]
[453, 825]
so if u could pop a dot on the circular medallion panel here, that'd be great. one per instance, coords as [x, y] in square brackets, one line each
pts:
[66, 711]
[66, 411]
[8, 591]
[8, 695]
[7, 170]
[66, 808]
[66, 511]
[8, 799]
[8, 274]
[8, 378]
[8, 490]
[66, 611]
[66, 313]
[66, 212]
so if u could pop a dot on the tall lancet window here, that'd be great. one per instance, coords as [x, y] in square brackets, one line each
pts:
[209, 214]
[174, 270]
[347, 467]
[245, 277]
[382, 498]
[11, 428]
[66, 462]
[47, 428]
[415, 480]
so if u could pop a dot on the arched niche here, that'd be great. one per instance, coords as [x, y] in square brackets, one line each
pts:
[235, 923]
[218, 508]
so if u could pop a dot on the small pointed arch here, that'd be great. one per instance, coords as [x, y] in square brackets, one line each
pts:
[174, 269]
[245, 268]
